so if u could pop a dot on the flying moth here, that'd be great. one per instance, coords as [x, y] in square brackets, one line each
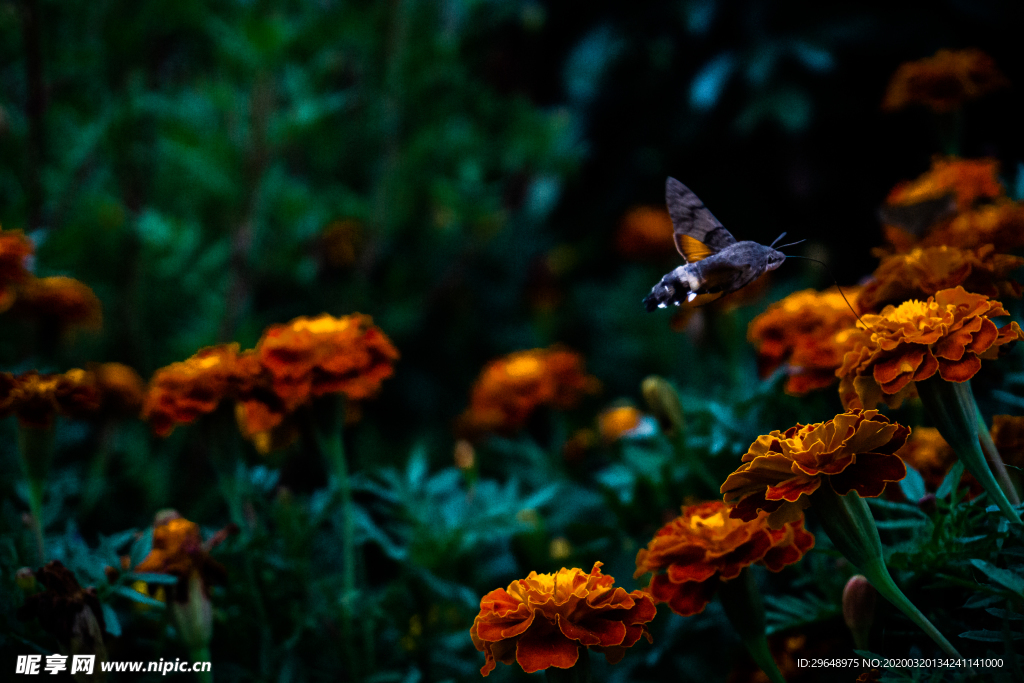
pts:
[716, 264]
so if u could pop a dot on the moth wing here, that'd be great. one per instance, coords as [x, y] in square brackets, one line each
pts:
[698, 234]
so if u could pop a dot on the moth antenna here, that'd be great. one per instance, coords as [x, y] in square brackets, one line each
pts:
[777, 240]
[825, 266]
[790, 244]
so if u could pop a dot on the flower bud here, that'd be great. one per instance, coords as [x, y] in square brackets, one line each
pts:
[194, 617]
[859, 609]
[663, 401]
[26, 579]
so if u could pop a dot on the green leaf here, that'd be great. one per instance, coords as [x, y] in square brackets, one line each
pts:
[1003, 577]
[991, 636]
[149, 577]
[913, 485]
[136, 596]
[110, 620]
[951, 480]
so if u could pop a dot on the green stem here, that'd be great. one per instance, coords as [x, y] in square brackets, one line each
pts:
[329, 421]
[743, 606]
[580, 673]
[952, 408]
[202, 654]
[35, 446]
[995, 460]
[848, 522]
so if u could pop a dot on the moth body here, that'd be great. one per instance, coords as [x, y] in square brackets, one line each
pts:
[716, 263]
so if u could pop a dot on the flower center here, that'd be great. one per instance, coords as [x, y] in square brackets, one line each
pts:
[523, 367]
[715, 521]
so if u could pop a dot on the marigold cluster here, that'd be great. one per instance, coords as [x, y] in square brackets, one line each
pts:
[943, 82]
[949, 334]
[511, 388]
[542, 621]
[854, 451]
[807, 332]
[15, 253]
[922, 272]
[968, 180]
[691, 555]
[1000, 224]
[291, 365]
[645, 233]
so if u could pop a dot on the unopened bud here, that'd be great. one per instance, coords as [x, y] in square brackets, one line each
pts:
[859, 609]
[663, 401]
[194, 617]
[464, 455]
[26, 579]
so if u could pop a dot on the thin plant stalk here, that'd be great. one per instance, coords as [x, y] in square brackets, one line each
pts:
[955, 414]
[329, 421]
[35, 446]
[995, 460]
[743, 606]
[851, 528]
[580, 673]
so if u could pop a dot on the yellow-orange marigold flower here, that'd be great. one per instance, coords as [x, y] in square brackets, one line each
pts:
[15, 253]
[542, 621]
[616, 422]
[1008, 436]
[691, 555]
[1000, 224]
[807, 332]
[943, 82]
[928, 453]
[511, 388]
[645, 232]
[922, 272]
[968, 179]
[121, 389]
[310, 357]
[181, 392]
[178, 550]
[949, 333]
[854, 451]
[63, 302]
[36, 398]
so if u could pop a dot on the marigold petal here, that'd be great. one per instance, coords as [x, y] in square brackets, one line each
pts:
[540, 648]
[793, 488]
[869, 475]
[959, 371]
[681, 573]
[593, 631]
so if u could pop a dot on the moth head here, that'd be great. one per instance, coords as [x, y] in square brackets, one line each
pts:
[775, 259]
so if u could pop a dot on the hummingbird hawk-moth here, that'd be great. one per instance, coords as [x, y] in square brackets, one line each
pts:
[716, 264]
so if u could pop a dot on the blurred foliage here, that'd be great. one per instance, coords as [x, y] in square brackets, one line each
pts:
[458, 170]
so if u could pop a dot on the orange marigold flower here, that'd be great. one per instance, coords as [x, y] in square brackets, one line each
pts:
[645, 232]
[615, 422]
[181, 392]
[968, 179]
[808, 332]
[704, 546]
[62, 302]
[511, 388]
[949, 333]
[943, 82]
[928, 453]
[310, 357]
[121, 389]
[854, 451]
[178, 549]
[15, 253]
[922, 272]
[36, 398]
[1000, 224]
[1008, 436]
[542, 621]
